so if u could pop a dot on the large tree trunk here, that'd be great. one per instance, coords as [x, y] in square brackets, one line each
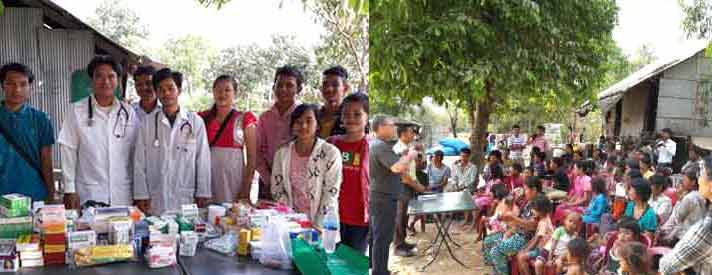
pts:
[479, 116]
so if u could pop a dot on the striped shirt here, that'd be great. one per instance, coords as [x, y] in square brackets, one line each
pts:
[693, 250]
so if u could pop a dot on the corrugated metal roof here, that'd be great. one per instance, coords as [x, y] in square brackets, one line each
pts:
[610, 96]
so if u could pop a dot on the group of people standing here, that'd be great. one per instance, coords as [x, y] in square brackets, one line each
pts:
[158, 155]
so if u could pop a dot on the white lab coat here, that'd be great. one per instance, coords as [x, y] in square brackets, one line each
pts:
[141, 113]
[94, 159]
[177, 170]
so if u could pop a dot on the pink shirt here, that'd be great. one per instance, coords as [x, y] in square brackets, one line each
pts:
[272, 131]
[582, 184]
[541, 143]
[298, 181]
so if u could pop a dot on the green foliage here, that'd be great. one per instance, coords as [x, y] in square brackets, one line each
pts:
[698, 21]
[190, 55]
[449, 48]
[254, 66]
[217, 3]
[698, 18]
[347, 40]
[119, 23]
[358, 6]
[643, 56]
[491, 54]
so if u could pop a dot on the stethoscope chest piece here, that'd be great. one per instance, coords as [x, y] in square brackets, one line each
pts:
[156, 143]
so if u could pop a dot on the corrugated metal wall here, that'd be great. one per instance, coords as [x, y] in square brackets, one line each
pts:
[52, 54]
[18, 39]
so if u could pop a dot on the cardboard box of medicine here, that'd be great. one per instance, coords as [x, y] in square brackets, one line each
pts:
[15, 201]
[28, 242]
[32, 262]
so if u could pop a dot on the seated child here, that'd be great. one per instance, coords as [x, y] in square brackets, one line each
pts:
[620, 195]
[634, 259]
[599, 203]
[628, 231]
[541, 209]
[577, 251]
[515, 179]
[580, 192]
[556, 247]
[505, 206]
[483, 198]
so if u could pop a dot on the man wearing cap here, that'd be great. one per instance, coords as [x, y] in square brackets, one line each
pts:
[666, 149]
[407, 134]
[388, 174]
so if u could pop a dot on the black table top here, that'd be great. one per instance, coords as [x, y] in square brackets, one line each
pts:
[204, 262]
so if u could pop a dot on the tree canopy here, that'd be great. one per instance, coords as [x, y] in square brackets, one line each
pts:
[118, 22]
[490, 53]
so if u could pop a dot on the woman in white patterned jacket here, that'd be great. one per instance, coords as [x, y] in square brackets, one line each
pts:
[306, 172]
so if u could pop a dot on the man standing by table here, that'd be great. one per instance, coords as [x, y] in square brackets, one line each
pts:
[26, 138]
[273, 125]
[334, 86]
[406, 137]
[386, 173]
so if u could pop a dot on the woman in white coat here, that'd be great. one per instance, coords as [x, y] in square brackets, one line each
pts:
[172, 162]
[306, 174]
[97, 142]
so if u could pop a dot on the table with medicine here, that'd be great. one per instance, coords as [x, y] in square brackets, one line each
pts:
[229, 238]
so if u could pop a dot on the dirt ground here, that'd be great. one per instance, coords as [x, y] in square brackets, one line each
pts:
[470, 254]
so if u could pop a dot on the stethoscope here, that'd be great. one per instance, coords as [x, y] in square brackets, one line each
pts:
[156, 140]
[116, 123]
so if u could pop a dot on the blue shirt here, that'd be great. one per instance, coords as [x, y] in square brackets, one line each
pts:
[596, 208]
[31, 129]
[648, 222]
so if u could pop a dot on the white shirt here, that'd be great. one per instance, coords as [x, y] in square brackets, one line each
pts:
[94, 159]
[516, 140]
[464, 177]
[667, 151]
[402, 149]
[176, 171]
[662, 206]
[143, 114]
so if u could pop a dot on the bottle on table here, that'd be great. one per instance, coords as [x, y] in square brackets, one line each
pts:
[331, 231]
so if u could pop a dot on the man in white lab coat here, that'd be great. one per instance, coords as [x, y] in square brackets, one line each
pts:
[172, 162]
[97, 142]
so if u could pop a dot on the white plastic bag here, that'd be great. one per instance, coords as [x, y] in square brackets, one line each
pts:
[276, 245]
[226, 244]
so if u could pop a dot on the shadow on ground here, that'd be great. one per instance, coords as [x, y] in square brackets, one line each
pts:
[470, 254]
